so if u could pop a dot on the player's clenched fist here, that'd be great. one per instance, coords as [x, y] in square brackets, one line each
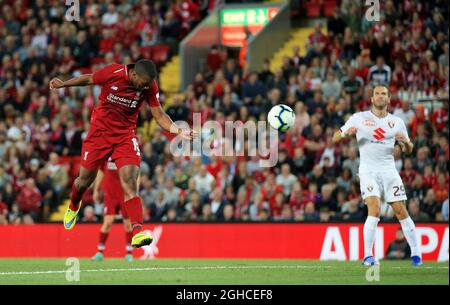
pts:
[188, 134]
[56, 83]
[351, 131]
[401, 137]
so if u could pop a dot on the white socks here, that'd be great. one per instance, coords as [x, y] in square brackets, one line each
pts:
[370, 229]
[409, 229]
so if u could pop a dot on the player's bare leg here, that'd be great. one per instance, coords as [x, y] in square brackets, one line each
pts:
[128, 175]
[80, 185]
[370, 228]
[128, 237]
[409, 229]
[108, 220]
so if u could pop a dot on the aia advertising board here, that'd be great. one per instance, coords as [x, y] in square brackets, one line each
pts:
[265, 241]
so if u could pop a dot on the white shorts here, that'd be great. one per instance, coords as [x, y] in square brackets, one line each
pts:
[388, 186]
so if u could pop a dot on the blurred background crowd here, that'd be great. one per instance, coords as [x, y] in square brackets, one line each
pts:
[41, 131]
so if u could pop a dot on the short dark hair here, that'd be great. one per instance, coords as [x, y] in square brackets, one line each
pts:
[373, 89]
[145, 67]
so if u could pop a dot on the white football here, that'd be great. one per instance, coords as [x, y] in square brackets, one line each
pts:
[281, 117]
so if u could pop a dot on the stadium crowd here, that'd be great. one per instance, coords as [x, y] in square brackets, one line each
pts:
[314, 180]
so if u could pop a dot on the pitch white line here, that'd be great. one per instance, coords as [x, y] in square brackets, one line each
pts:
[194, 268]
[167, 269]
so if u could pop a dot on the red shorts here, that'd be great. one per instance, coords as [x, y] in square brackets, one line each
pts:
[113, 206]
[98, 147]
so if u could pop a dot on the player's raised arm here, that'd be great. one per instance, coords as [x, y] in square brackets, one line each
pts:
[82, 80]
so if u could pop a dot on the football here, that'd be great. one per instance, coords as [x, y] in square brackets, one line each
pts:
[281, 117]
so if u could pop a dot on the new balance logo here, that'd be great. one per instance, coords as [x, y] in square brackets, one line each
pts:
[114, 88]
[379, 134]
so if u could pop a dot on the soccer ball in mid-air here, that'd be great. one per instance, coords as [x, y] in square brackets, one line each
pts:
[281, 117]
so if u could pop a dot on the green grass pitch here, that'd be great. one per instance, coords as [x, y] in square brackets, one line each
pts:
[217, 272]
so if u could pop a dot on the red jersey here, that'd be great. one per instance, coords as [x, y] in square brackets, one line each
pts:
[119, 100]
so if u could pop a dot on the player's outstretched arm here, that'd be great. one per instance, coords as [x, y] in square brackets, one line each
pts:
[167, 124]
[82, 80]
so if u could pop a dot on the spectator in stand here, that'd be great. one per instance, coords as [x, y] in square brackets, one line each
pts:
[253, 89]
[204, 182]
[380, 73]
[49, 200]
[29, 199]
[398, 248]
[214, 59]
[439, 118]
[380, 49]
[445, 210]
[189, 14]
[58, 174]
[310, 213]
[89, 214]
[405, 113]
[336, 24]
[111, 17]
[414, 211]
[352, 83]
[352, 162]
[286, 179]
[441, 188]
[228, 213]
[332, 86]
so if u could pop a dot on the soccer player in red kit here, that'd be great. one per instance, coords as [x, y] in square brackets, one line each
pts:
[108, 180]
[124, 89]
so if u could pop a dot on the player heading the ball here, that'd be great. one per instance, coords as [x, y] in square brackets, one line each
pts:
[124, 89]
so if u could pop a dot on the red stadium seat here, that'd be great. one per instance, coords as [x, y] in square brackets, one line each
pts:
[329, 7]
[160, 53]
[85, 70]
[312, 9]
[97, 60]
[146, 52]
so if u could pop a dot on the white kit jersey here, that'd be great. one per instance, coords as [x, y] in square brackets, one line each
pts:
[376, 140]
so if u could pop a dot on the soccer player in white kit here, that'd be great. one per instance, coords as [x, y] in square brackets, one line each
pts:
[376, 133]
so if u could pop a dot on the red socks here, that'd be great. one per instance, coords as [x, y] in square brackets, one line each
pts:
[103, 237]
[129, 236]
[134, 209]
[75, 198]
[102, 241]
